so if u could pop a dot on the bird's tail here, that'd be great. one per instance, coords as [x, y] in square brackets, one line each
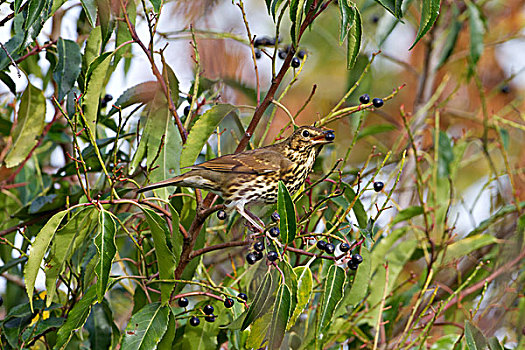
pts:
[174, 181]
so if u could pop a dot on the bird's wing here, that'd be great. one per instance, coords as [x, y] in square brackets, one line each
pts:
[260, 161]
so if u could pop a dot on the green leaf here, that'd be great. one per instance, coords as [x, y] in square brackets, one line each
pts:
[167, 340]
[354, 38]
[504, 137]
[156, 5]
[392, 6]
[176, 237]
[172, 82]
[429, 14]
[68, 66]
[281, 313]
[296, 16]
[358, 208]
[38, 250]
[99, 325]
[375, 129]
[29, 126]
[475, 339]
[93, 46]
[346, 20]
[259, 301]
[105, 243]
[304, 291]
[96, 76]
[494, 344]
[6, 79]
[452, 36]
[407, 214]
[203, 337]
[467, 245]
[146, 328]
[76, 318]
[332, 294]
[90, 8]
[140, 93]
[286, 209]
[258, 331]
[445, 156]
[477, 30]
[201, 132]
[165, 257]
[65, 242]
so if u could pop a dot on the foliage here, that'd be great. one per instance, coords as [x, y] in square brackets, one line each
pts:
[89, 263]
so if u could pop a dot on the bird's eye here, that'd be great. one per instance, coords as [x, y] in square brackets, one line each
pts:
[306, 133]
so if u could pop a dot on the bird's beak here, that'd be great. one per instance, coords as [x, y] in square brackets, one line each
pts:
[327, 136]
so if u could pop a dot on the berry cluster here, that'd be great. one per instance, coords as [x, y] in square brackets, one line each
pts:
[377, 102]
[327, 247]
[282, 53]
[208, 309]
[354, 261]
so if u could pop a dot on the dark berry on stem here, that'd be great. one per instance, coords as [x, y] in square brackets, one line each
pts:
[344, 247]
[186, 110]
[321, 245]
[505, 89]
[258, 246]
[301, 54]
[228, 303]
[364, 98]
[208, 309]
[378, 186]
[251, 258]
[357, 259]
[296, 62]
[258, 255]
[377, 102]
[210, 318]
[258, 53]
[274, 232]
[221, 215]
[329, 248]
[103, 104]
[194, 321]
[272, 256]
[242, 296]
[183, 302]
[282, 54]
[275, 216]
[352, 265]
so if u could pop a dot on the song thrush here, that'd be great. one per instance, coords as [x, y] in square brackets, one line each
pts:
[253, 176]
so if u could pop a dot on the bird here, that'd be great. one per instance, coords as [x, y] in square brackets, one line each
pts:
[253, 176]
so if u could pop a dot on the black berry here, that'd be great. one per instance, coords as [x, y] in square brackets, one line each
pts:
[183, 302]
[274, 232]
[377, 102]
[364, 98]
[352, 265]
[321, 245]
[208, 309]
[357, 259]
[1, 301]
[103, 104]
[228, 303]
[258, 255]
[329, 248]
[221, 215]
[186, 110]
[375, 18]
[210, 318]
[264, 41]
[275, 216]
[281, 54]
[108, 97]
[194, 321]
[296, 62]
[301, 54]
[378, 186]
[258, 246]
[258, 53]
[344, 247]
[251, 258]
[505, 89]
[272, 256]
[329, 136]
[242, 296]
